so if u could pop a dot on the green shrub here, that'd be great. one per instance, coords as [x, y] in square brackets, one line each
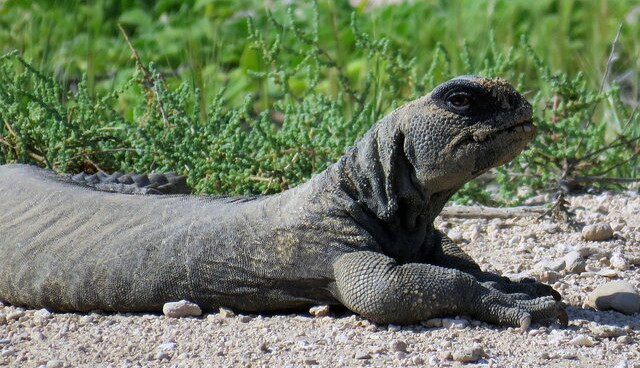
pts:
[287, 103]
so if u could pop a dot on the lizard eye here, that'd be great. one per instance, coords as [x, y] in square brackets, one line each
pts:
[459, 101]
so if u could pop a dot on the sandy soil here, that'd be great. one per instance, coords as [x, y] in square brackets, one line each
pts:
[37, 338]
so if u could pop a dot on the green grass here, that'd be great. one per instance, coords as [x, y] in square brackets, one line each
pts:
[229, 71]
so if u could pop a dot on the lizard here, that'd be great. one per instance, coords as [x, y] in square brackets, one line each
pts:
[359, 234]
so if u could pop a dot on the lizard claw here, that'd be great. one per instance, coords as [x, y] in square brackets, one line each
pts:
[525, 322]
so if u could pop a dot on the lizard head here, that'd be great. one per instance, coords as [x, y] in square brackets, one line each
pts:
[463, 128]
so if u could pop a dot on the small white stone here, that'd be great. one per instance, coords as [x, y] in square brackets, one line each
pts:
[399, 345]
[470, 354]
[456, 324]
[85, 320]
[514, 241]
[16, 315]
[226, 313]
[550, 265]
[319, 311]
[182, 308]
[455, 235]
[597, 232]
[582, 340]
[42, 314]
[167, 346]
[55, 363]
[619, 262]
[393, 328]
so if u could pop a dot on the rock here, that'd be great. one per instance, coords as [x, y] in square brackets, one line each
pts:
[454, 323]
[393, 328]
[624, 340]
[42, 314]
[4, 342]
[362, 355]
[85, 320]
[597, 232]
[433, 322]
[551, 265]
[245, 319]
[618, 295]
[469, 354]
[574, 263]
[582, 340]
[399, 345]
[319, 311]
[15, 315]
[183, 308]
[606, 272]
[226, 313]
[401, 355]
[3, 319]
[309, 361]
[548, 276]
[55, 363]
[607, 331]
[619, 262]
[455, 235]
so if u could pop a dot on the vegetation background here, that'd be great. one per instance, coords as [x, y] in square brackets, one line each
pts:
[249, 96]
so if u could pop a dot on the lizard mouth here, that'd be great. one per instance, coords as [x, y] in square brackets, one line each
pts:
[525, 128]
[519, 131]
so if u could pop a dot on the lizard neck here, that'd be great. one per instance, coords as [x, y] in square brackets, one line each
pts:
[384, 195]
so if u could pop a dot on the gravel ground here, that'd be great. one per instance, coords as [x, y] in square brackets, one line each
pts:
[516, 247]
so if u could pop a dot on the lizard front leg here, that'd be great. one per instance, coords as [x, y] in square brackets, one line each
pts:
[375, 286]
[446, 253]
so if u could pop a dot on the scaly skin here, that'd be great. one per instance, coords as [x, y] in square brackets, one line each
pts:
[359, 234]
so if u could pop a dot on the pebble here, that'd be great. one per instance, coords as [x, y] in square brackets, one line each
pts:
[606, 272]
[309, 361]
[3, 319]
[455, 235]
[606, 331]
[55, 363]
[469, 354]
[433, 322]
[226, 313]
[15, 315]
[582, 340]
[548, 276]
[5, 341]
[182, 308]
[86, 320]
[618, 295]
[451, 323]
[619, 262]
[319, 311]
[548, 264]
[393, 328]
[597, 232]
[401, 355]
[362, 355]
[574, 263]
[42, 314]
[551, 228]
[399, 345]
[624, 340]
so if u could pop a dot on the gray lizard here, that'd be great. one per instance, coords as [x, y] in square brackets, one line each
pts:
[359, 234]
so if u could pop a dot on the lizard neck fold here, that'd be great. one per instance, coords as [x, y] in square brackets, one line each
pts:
[386, 198]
